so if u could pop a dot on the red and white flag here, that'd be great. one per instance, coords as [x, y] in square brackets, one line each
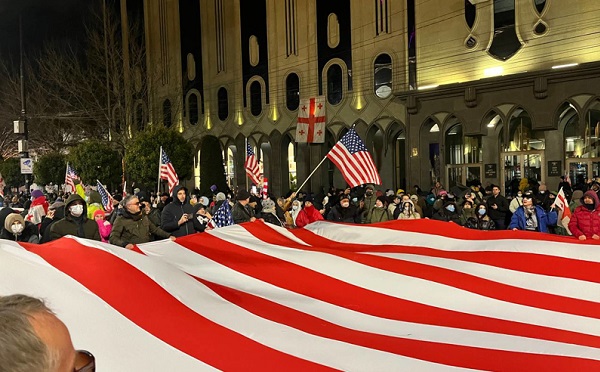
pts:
[562, 203]
[167, 171]
[311, 120]
[354, 161]
[70, 176]
[415, 295]
[251, 165]
[265, 188]
[2, 185]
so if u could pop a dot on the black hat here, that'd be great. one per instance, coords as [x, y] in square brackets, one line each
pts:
[382, 199]
[528, 194]
[309, 198]
[242, 195]
[344, 196]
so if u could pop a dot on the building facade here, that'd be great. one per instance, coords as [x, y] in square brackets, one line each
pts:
[494, 90]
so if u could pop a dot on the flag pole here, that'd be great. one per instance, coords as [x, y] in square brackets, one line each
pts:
[66, 173]
[159, 164]
[311, 173]
[246, 157]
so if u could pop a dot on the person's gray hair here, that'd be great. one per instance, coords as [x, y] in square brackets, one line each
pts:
[21, 349]
[127, 199]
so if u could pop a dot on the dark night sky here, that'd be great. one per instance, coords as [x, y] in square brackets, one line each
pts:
[43, 20]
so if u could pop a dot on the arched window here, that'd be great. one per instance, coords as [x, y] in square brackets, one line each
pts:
[540, 5]
[292, 92]
[255, 98]
[382, 70]
[167, 114]
[505, 40]
[222, 104]
[292, 166]
[521, 136]
[470, 13]
[463, 155]
[334, 84]
[193, 111]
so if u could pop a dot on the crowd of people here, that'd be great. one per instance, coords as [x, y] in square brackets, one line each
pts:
[144, 216]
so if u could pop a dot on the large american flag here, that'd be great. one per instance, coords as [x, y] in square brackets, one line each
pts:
[354, 161]
[70, 176]
[167, 171]
[402, 295]
[251, 165]
[107, 199]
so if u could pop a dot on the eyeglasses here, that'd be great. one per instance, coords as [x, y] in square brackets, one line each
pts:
[84, 362]
[138, 203]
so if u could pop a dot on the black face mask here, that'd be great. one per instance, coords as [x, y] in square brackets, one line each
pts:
[589, 206]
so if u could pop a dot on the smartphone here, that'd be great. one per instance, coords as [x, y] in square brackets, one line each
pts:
[190, 216]
[254, 190]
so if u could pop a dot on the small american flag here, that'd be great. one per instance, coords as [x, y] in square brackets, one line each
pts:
[223, 216]
[167, 171]
[69, 177]
[107, 199]
[251, 165]
[265, 189]
[354, 161]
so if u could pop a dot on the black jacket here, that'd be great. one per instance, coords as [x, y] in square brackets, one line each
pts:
[71, 225]
[173, 212]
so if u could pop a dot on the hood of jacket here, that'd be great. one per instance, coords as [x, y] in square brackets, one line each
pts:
[70, 201]
[12, 218]
[592, 194]
[176, 199]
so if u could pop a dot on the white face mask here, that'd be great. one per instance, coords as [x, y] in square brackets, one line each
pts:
[76, 210]
[295, 207]
[17, 228]
[345, 204]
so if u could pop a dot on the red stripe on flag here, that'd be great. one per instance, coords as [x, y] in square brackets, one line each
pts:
[325, 288]
[152, 308]
[447, 354]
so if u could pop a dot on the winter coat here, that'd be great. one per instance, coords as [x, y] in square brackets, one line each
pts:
[45, 226]
[69, 225]
[341, 214]
[308, 215]
[28, 235]
[241, 213]
[172, 213]
[544, 219]
[502, 203]
[481, 223]
[584, 221]
[94, 200]
[379, 215]
[445, 215]
[369, 203]
[134, 229]
[104, 227]
[515, 203]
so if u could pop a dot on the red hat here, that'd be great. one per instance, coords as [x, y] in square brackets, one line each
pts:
[99, 212]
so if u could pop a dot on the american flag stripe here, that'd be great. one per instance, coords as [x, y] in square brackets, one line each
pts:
[167, 171]
[354, 326]
[417, 295]
[297, 278]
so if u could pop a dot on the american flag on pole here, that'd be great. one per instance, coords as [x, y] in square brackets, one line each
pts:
[311, 120]
[167, 171]
[69, 177]
[354, 161]
[251, 165]
[402, 295]
[265, 188]
[223, 216]
[107, 199]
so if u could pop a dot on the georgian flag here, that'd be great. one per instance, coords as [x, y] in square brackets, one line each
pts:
[311, 120]
[400, 295]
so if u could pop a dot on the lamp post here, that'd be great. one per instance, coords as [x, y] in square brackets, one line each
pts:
[20, 125]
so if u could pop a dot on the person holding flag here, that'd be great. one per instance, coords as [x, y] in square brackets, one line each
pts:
[585, 221]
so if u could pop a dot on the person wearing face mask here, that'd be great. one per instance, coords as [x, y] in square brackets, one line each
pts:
[532, 217]
[448, 213]
[480, 221]
[17, 229]
[585, 221]
[467, 212]
[290, 216]
[344, 211]
[407, 211]
[75, 222]
[516, 202]
[368, 203]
